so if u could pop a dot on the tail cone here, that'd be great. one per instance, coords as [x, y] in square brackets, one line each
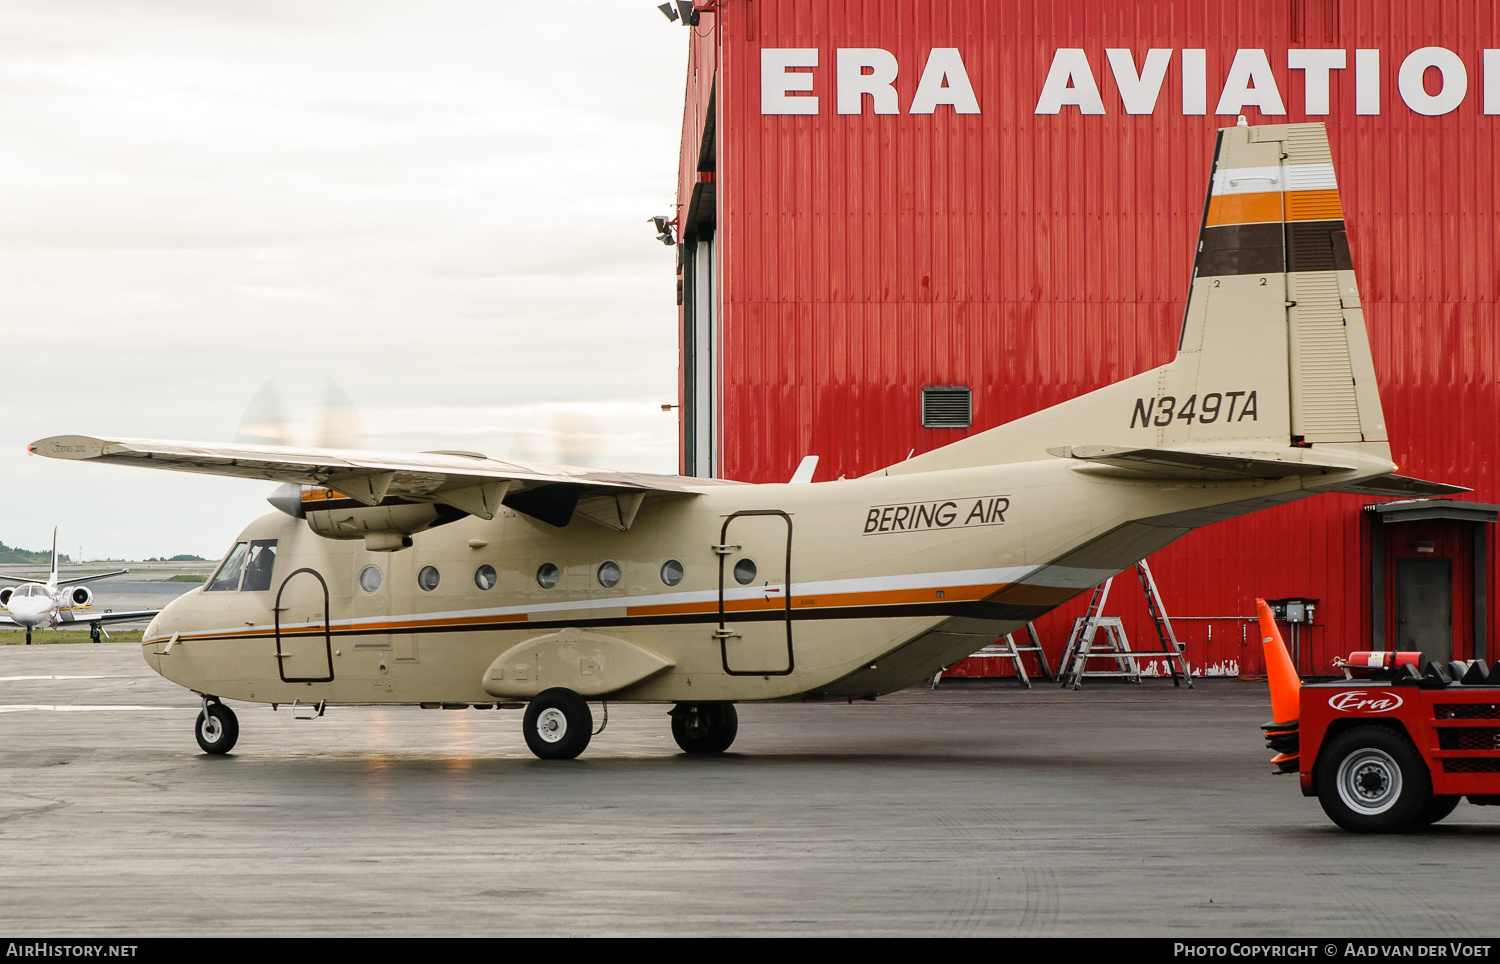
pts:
[1281, 735]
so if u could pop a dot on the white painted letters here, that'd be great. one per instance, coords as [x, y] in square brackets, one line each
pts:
[944, 81]
[1316, 66]
[1194, 81]
[1070, 82]
[1367, 82]
[854, 84]
[1455, 83]
[776, 83]
[1139, 92]
[1250, 84]
[1492, 81]
[865, 81]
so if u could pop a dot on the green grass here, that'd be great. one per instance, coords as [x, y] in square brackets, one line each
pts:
[185, 577]
[45, 637]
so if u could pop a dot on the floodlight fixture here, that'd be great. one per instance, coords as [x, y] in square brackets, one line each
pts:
[664, 227]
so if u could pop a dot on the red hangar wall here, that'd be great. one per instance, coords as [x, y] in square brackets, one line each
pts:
[903, 221]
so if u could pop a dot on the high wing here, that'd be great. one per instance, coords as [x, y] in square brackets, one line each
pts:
[470, 482]
[1176, 463]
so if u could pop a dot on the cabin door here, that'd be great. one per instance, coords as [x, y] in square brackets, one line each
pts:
[755, 589]
[304, 646]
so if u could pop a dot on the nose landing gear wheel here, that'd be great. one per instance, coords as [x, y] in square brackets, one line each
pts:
[217, 729]
[558, 724]
[705, 727]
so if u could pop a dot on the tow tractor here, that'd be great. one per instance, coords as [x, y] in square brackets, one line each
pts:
[1390, 747]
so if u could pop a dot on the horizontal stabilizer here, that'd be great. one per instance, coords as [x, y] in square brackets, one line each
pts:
[1398, 485]
[1204, 466]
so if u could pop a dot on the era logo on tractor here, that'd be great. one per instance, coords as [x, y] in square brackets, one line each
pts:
[1359, 701]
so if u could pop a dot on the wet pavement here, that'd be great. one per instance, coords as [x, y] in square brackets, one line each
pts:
[977, 809]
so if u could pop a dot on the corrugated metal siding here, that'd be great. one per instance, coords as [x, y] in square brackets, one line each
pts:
[1036, 257]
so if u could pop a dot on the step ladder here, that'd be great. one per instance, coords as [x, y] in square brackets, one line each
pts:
[1083, 644]
[1008, 648]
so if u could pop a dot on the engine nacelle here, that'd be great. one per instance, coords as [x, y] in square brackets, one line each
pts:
[79, 597]
[5, 595]
[385, 528]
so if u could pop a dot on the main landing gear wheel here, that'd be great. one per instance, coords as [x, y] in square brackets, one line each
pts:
[704, 727]
[217, 728]
[1372, 780]
[558, 724]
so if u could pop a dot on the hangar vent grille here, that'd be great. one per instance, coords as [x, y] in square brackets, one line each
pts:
[947, 408]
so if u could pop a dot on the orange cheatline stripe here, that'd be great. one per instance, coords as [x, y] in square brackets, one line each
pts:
[887, 597]
[1009, 592]
[1267, 206]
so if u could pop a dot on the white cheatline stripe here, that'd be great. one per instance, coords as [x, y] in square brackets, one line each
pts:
[919, 580]
[1051, 576]
[1067, 577]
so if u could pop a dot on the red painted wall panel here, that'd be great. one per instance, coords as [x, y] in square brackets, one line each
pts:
[1035, 257]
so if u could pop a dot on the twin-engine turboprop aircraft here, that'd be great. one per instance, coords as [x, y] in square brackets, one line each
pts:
[451, 579]
[49, 603]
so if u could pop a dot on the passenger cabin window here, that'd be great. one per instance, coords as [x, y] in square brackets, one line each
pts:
[247, 567]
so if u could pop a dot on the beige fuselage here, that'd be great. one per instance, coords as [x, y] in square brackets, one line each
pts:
[860, 587]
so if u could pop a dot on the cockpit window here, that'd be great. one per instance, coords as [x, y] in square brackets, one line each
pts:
[258, 566]
[253, 560]
[227, 579]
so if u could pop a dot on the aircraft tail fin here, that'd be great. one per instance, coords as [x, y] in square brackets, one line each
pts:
[1273, 353]
[54, 555]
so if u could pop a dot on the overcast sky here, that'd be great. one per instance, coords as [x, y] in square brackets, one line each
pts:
[440, 206]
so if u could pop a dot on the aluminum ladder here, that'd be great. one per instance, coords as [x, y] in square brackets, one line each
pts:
[1081, 641]
[1007, 648]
